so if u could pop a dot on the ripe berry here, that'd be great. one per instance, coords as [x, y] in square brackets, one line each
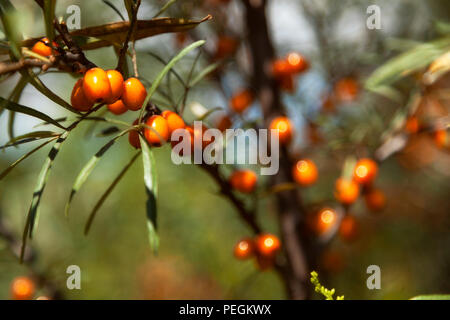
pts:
[296, 62]
[133, 137]
[375, 200]
[281, 68]
[174, 121]
[134, 94]
[412, 125]
[347, 191]
[96, 85]
[441, 138]
[244, 249]
[241, 101]
[284, 127]
[346, 89]
[116, 83]
[159, 132]
[22, 288]
[305, 172]
[78, 99]
[349, 228]
[188, 134]
[224, 123]
[243, 180]
[42, 47]
[365, 171]
[267, 245]
[326, 220]
[117, 107]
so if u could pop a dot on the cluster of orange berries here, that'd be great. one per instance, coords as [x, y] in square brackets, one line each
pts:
[327, 218]
[264, 247]
[23, 288]
[285, 69]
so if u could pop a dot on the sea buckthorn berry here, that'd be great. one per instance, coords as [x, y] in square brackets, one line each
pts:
[96, 85]
[267, 245]
[22, 288]
[284, 127]
[174, 121]
[296, 62]
[375, 200]
[243, 180]
[349, 229]
[134, 94]
[116, 83]
[42, 47]
[281, 68]
[188, 134]
[117, 107]
[441, 138]
[224, 123]
[133, 137]
[346, 89]
[412, 125]
[241, 101]
[326, 220]
[78, 99]
[244, 249]
[305, 172]
[365, 171]
[347, 191]
[159, 132]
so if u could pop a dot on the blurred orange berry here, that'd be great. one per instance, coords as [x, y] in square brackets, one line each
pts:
[267, 245]
[326, 220]
[412, 125]
[134, 94]
[375, 199]
[241, 101]
[441, 138]
[22, 288]
[116, 82]
[244, 249]
[78, 99]
[281, 68]
[117, 107]
[347, 191]
[305, 172]
[224, 123]
[42, 47]
[226, 46]
[284, 127]
[349, 228]
[243, 180]
[296, 62]
[96, 85]
[365, 171]
[159, 132]
[346, 89]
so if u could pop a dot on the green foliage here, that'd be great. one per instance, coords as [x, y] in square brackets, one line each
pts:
[327, 293]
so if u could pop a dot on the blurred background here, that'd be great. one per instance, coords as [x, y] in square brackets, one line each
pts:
[409, 239]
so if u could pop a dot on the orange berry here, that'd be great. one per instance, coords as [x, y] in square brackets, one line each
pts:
[375, 200]
[134, 94]
[78, 99]
[43, 48]
[243, 249]
[281, 68]
[412, 125]
[116, 83]
[22, 288]
[305, 172]
[224, 123]
[96, 85]
[346, 89]
[347, 191]
[267, 245]
[326, 219]
[365, 171]
[241, 101]
[188, 134]
[441, 138]
[117, 107]
[226, 46]
[349, 229]
[159, 133]
[296, 62]
[174, 121]
[284, 127]
[243, 180]
[133, 137]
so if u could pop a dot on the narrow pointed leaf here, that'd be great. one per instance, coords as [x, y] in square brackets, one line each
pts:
[204, 73]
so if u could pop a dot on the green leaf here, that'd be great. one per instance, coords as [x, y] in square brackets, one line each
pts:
[151, 188]
[89, 167]
[407, 63]
[164, 8]
[166, 69]
[5, 172]
[49, 17]
[108, 192]
[204, 73]
[432, 297]
[33, 212]
[12, 106]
